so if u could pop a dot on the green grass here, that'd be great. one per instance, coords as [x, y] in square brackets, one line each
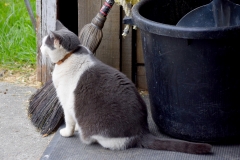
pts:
[17, 37]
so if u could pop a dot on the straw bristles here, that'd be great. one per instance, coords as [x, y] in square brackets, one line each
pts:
[45, 110]
[91, 34]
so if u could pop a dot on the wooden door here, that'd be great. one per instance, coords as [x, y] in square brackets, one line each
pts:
[124, 54]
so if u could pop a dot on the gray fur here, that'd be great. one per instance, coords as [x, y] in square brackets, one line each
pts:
[67, 39]
[108, 103]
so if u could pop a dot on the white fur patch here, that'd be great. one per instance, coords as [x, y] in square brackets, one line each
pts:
[44, 50]
[65, 79]
[66, 76]
[112, 143]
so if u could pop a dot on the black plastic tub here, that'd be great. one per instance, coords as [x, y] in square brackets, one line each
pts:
[192, 73]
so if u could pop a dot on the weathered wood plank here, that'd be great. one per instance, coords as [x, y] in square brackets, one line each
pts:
[87, 10]
[139, 50]
[47, 15]
[44, 60]
[141, 72]
[141, 78]
[126, 55]
[39, 37]
[109, 49]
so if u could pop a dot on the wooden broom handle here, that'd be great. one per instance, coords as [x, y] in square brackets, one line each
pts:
[106, 7]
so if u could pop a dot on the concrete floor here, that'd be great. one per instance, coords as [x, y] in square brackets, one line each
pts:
[19, 140]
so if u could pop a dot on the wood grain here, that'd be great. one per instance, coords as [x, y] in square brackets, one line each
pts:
[126, 49]
[46, 20]
[141, 72]
[141, 78]
[39, 37]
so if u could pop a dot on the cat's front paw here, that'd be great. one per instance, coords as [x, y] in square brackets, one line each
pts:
[65, 132]
[76, 128]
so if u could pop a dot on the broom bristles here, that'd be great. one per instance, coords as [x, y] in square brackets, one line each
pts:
[45, 110]
[91, 34]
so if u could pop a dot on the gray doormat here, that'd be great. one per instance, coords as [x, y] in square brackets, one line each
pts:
[72, 148]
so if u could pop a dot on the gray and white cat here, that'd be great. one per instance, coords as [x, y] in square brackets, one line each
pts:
[101, 102]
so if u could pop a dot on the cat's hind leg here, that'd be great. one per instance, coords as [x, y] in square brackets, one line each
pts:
[85, 138]
[76, 128]
[114, 143]
[70, 125]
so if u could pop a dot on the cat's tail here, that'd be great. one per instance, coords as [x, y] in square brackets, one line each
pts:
[151, 142]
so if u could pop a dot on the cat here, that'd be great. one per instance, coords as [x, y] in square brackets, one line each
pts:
[100, 101]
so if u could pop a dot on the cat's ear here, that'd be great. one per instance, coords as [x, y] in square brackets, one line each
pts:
[55, 35]
[59, 26]
[57, 39]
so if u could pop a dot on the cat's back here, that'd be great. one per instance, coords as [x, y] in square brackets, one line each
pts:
[102, 77]
[106, 97]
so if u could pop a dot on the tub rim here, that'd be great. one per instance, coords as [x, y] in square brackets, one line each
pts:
[178, 31]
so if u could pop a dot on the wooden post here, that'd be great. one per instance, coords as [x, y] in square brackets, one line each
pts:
[46, 20]
[126, 52]
[141, 72]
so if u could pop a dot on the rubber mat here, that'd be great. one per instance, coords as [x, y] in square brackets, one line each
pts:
[72, 148]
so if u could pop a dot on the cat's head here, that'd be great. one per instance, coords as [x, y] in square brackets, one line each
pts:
[58, 43]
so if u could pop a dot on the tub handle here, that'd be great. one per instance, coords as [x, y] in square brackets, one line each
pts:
[128, 20]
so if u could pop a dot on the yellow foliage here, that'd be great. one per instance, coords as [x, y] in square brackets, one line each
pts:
[128, 1]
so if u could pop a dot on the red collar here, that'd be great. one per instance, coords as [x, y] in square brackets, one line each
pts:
[64, 58]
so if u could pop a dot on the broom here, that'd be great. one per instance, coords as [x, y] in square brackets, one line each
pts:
[45, 110]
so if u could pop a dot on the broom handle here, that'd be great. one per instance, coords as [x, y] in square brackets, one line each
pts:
[100, 18]
[106, 7]
[91, 34]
